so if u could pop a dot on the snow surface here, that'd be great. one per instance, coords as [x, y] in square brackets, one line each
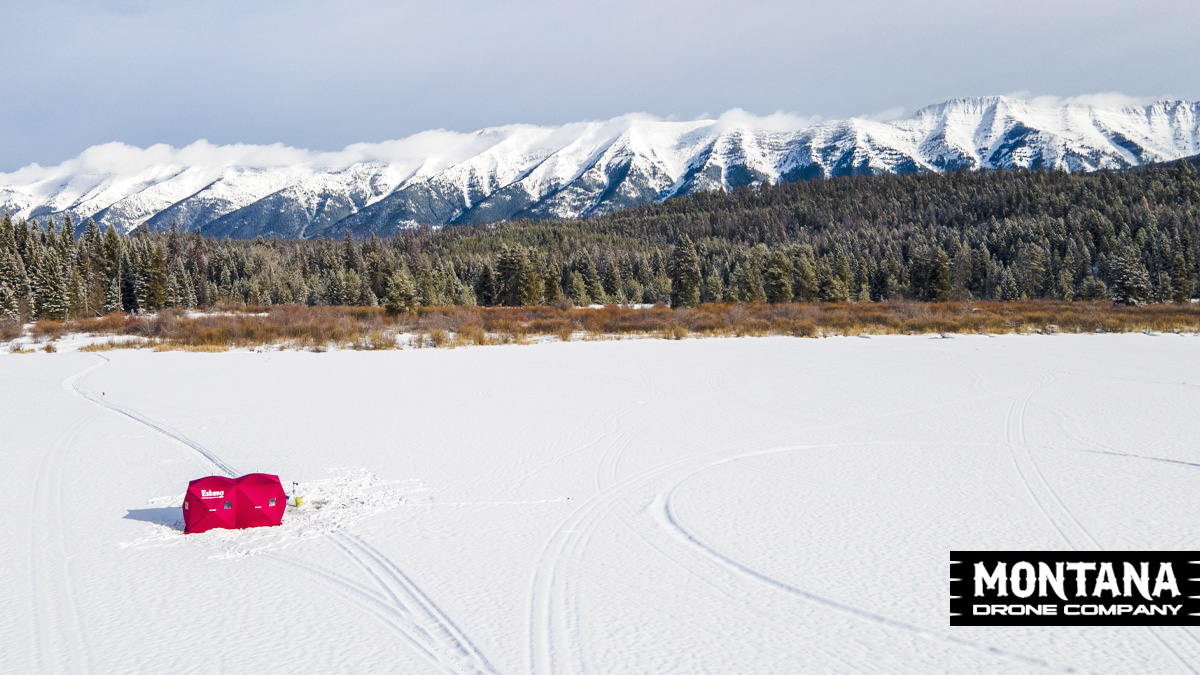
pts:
[770, 505]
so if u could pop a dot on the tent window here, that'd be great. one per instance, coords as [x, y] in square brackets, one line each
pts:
[185, 506]
[271, 501]
[229, 505]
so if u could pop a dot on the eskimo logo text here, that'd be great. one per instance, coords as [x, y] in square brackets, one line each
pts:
[212, 494]
[1056, 588]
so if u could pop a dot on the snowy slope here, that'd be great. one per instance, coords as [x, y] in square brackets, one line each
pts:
[575, 170]
[786, 507]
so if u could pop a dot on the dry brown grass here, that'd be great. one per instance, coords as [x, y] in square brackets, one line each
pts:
[370, 328]
[168, 347]
[10, 329]
[472, 334]
[440, 338]
[49, 329]
[111, 344]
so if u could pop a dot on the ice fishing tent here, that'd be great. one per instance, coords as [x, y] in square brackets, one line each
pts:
[260, 500]
[254, 500]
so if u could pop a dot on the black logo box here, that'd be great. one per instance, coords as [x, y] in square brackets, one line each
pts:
[1185, 566]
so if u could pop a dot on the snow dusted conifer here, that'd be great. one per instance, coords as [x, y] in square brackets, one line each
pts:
[485, 287]
[366, 296]
[805, 285]
[1008, 290]
[510, 268]
[130, 285]
[747, 276]
[1128, 280]
[1181, 283]
[9, 309]
[778, 279]
[713, 288]
[75, 292]
[553, 292]
[577, 289]
[685, 274]
[595, 289]
[112, 296]
[401, 294]
[51, 297]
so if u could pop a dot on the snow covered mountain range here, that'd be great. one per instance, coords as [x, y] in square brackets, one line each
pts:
[576, 170]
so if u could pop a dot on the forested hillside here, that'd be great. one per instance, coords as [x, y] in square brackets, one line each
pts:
[1005, 235]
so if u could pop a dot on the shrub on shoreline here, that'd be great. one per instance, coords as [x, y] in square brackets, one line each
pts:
[321, 327]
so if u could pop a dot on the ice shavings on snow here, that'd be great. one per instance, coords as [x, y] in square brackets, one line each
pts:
[327, 505]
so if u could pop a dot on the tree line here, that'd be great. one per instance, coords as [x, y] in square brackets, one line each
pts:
[1129, 236]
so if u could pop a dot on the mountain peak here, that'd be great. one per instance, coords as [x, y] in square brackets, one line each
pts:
[442, 177]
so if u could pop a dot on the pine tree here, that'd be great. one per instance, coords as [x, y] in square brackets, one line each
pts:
[685, 274]
[111, 254]
[551, 290]
[831, 288]
[778, 278]
[154, 266]
[112, 297]
[1008, 290]
[401, 293]
[1092, 289]
[9, 309]
[532, 289]
[713, 289]
[51, 296]
[1181, 283]
[511, 268]
[577, 289]
[130, 285]
[747, 277]
[1128, 280]
[485, 287]
[805, 285]
[595, 289]
[940, 281]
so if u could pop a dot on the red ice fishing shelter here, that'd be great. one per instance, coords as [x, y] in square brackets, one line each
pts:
[254, 500]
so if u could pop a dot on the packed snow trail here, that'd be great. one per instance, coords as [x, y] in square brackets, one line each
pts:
[54, 613]
[74, 384]
[406, 609]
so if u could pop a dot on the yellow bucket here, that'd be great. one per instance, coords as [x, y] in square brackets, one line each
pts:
[299, 500]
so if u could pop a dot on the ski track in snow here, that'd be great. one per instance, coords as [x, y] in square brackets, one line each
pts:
[554, 614]
[1183, 646]
[402, 606]
[59, 642]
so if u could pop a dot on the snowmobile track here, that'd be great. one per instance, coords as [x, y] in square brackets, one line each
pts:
[55, 621]
[1187, 651]
[400, 616]
[173, 435]
[670, 519]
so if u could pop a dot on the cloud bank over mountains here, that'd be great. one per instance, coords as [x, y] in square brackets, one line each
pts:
[438, 178]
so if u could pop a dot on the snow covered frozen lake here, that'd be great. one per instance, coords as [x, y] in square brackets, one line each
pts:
[769, 505]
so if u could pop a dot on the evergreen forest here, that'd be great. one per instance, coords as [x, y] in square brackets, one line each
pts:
[1126, 236]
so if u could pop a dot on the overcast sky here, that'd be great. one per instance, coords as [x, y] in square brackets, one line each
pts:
[322, 74]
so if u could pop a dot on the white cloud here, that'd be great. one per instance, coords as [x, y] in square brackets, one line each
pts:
[778, 121]
[128, 160]
[889, 115]
[1110, 99]
[437, 148]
